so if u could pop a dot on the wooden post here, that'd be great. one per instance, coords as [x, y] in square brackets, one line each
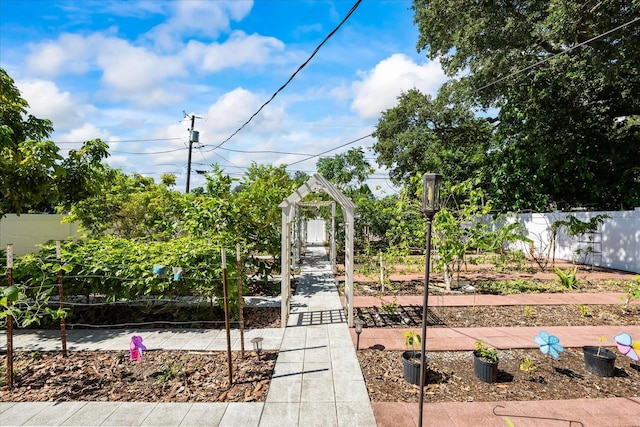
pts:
[63, 326]
[9, 319]
[225, 292]
[239, 272]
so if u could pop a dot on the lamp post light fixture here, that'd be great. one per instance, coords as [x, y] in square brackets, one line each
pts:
[257, 345]
[359, 323]
[430, 206]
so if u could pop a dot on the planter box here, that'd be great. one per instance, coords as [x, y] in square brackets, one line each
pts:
[485, 370]
[411, 367]
[603, 364]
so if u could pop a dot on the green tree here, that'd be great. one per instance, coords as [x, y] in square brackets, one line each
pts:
[564, 79]
[348, 171]
[133, 206]
[425, 134]
[33, 174]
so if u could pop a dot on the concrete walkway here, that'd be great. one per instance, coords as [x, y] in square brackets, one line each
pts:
[317, 379]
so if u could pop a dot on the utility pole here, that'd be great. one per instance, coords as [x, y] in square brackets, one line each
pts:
[193, 137]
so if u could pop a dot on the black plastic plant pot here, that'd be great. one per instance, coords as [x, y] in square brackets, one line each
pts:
[485, 370]
[601, 363]
[411, 366]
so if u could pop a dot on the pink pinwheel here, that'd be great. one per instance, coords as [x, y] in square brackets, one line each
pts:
[627, 346]
[136, 348]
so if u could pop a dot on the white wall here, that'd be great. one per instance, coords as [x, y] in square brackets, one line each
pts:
[28, 230]
[316, 231]
[620, 237]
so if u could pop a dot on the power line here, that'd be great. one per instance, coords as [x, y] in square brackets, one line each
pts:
[328, 151]
[353, 9]
[549, 58]
[122, 140]
[150, 152]
[265, 152]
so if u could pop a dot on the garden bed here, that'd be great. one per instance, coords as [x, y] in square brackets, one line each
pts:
[162, 376]
[489, 316]
[451, 378]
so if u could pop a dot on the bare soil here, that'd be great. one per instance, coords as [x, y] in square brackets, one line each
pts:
[488, 316]
[161, 376]
[451, 378]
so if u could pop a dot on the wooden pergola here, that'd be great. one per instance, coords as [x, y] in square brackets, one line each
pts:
[290, 217]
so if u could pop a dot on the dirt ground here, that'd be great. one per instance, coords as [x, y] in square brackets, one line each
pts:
[161, 376]
[451, 378]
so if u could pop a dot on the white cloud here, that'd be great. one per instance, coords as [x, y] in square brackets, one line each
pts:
[380, 87]
[204, 18]
[129, 68]
[240, 49]
[83, 133]
[47, 102]
[71, 53]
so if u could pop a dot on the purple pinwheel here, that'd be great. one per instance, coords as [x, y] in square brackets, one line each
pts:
[136, 348]
[628, 346]
[549, 344]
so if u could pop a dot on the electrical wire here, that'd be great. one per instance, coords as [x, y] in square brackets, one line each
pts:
[281, 88]
[328, 151]
[150, 152]
[549, 58]
[122, 140]
[265, 152]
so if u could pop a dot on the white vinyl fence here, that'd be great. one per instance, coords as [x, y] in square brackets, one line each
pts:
[27, 231]
[615, 245]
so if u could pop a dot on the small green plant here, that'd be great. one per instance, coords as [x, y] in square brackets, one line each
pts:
[567, 278]
[601, 339]
[584, 310]
[390, 308]
[633, 292]
[527, 365]
[171, 370]
[516, 286]
[529, 311]
[485, 352]
[412, 339]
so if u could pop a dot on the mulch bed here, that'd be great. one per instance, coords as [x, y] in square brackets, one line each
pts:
[488, 316]
[451, 378]
[162, 376]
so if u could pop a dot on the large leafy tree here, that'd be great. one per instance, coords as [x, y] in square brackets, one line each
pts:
[348, 171]
[423, 134]
[565, 80]
[33, 174]
[28, 163]
[133, 206]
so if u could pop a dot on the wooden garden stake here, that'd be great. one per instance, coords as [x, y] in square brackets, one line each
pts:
[381, 274]
[225, 293]
[63, 326]
[240, 300]
[9, 319]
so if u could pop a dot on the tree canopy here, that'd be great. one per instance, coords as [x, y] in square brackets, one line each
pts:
[561, 78]
[33, 174]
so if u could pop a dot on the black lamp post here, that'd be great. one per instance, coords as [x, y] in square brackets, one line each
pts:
[257, 345]
[358, 324]
[430, 206]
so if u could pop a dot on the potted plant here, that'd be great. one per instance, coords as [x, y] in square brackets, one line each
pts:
[485, 363]
[598, 360]
[411, 358]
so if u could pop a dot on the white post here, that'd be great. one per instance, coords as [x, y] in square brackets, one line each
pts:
[349, 264]
[285, 257]
[332, 250]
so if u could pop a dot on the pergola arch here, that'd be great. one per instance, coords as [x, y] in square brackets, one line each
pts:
[289, 217]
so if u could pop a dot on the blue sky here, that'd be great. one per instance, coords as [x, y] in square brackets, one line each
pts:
[125, 71]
